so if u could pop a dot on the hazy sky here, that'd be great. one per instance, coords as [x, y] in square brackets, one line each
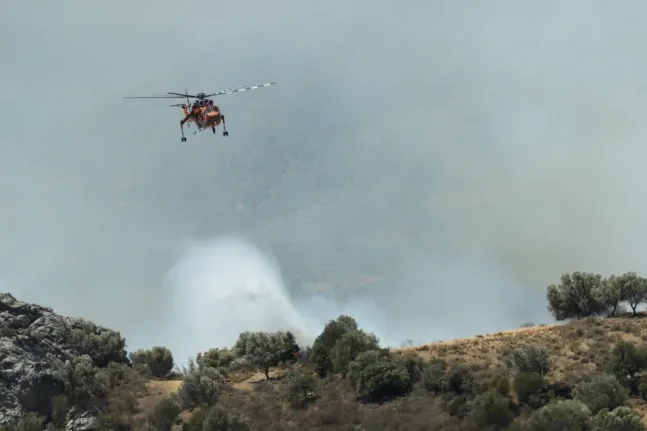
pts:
[468, 153]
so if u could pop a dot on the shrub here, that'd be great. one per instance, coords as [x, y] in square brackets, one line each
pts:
[433, 375]
[219, 419]
[626, 362]
[462, 380]
[200, 386]
[196, 421]
[102, 345]
[59, 411]
[492, 409]
[414, 365]
[324, 343]
[529, 388]
[165, 414]
[500, 384]
[602, 392]
[563, 415]
[263, 350]
[533, 359]
[301, 387]
[158, 359]
[620, 419]
[29, 422]
[120, 414]
[376, 376]
[81, 380]
[349, 346]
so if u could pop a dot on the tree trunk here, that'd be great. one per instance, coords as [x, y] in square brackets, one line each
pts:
[633, 306]
[267, 373]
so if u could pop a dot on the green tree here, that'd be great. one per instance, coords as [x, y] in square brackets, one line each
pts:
[601, 392]
[619, 419]
[158, 359]
[324, 343]
[633, 289]
[351, 344]
[532, 359]
[374, 376]
[577, 296]
[562, 415]
[265, 349]
[611, 294]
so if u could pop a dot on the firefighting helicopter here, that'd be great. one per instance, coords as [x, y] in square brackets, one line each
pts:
[203, 112]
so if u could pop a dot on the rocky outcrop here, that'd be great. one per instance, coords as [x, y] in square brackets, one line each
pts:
[34, 342]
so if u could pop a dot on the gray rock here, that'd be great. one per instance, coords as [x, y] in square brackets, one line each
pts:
[33, 342]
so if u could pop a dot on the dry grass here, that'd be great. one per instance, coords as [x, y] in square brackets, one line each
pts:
[156, 391]
[577, 348]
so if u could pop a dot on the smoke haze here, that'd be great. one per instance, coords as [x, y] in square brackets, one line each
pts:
[426, 167]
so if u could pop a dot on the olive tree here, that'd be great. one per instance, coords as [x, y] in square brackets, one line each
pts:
[578, 295]
[263, 350]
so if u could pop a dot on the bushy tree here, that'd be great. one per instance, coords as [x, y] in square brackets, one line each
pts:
[200, 386]
[351, 344]
[531, 359]
[619, 419]
[158, 359]
[562, 415]
[374, 375]
[265, 349]
[601, 392]
[577, 296]
[324, 343]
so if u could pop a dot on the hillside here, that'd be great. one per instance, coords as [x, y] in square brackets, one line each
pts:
[587, 374]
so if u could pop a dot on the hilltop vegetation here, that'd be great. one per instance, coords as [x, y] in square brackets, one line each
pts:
[587, 375]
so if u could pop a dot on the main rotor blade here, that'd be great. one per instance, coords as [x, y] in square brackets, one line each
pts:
[240, 89]
[154, 97]
[183, 95]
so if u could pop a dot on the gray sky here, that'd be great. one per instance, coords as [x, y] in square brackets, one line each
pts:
[467, 153]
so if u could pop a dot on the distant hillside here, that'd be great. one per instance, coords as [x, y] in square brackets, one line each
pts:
[588, 375]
